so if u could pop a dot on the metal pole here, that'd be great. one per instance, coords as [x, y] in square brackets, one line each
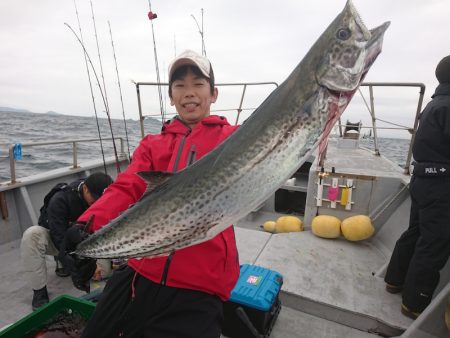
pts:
[12, 164]
[74, 153]
[240, 105]
[372, 113]
[416, 123]
[122, 148]
[3, 205]
[141, 118]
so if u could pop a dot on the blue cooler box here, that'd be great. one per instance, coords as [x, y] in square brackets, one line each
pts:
[254, 305]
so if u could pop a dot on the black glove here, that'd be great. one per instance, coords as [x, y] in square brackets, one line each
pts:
[82, 272]
[81, 269]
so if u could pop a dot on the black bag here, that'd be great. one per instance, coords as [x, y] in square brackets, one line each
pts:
[43, 216]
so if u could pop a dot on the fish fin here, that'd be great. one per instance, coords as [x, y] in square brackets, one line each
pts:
[154, 179]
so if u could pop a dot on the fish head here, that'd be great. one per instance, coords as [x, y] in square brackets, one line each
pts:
[352, 49]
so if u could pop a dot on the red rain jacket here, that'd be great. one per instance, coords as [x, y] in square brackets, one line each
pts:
[211, 266]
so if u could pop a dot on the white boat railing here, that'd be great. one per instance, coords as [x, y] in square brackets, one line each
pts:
[12, 159]
[371, 108]
[238, 110]
[374, 126]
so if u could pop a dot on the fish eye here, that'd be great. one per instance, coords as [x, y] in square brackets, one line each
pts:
[343, 34]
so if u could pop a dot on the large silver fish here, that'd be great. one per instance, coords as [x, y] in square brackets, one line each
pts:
[197, 203]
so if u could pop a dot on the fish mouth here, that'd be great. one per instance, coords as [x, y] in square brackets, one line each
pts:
[340, 96]
[372, 50]
[342, 79]
[352, 50]
[363, 29]
[374, 45]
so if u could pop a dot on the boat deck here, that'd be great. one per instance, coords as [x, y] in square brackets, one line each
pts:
[360, 161]
[16, 295]
[315, 271]
[331, 279]
[332, 288]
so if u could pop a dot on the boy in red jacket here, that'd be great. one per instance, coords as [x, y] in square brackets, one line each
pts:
[179, 295]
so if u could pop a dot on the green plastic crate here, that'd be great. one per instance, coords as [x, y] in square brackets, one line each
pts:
[44, 314]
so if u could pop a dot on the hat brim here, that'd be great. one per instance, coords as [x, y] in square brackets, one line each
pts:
[191, 58]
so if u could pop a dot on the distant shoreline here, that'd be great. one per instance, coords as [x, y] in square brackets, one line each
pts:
[52, 113]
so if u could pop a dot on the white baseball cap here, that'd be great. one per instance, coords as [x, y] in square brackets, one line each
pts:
[189, 57]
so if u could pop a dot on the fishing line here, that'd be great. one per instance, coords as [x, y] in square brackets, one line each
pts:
[152, 16]
[92, 90]
[120, 91]
[101, 92]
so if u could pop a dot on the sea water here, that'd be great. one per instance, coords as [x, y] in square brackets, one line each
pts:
[24, 127]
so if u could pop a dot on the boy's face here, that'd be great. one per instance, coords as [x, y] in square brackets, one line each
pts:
[191, 96]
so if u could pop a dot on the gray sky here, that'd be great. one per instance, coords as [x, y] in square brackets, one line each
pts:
[42, 65]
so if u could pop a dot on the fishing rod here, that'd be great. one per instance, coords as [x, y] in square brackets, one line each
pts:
[101, 92]
[120, 91]
[201, 31]
[152, 16]
[98, 52]
[92, 90]
[104, 88]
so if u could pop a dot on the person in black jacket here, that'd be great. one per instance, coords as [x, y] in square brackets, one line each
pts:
[424, 248]
[63, 209]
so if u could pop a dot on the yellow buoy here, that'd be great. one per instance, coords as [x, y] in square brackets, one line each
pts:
[326, 226]
[289, 224]
[357, 228]
[269, 226]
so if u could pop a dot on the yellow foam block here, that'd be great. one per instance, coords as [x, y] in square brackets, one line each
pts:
[269, 226]
[357, 228]
[289, 224]
[326, 226]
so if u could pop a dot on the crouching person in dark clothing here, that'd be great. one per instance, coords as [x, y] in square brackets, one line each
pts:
[60, 210]
[423, 249]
